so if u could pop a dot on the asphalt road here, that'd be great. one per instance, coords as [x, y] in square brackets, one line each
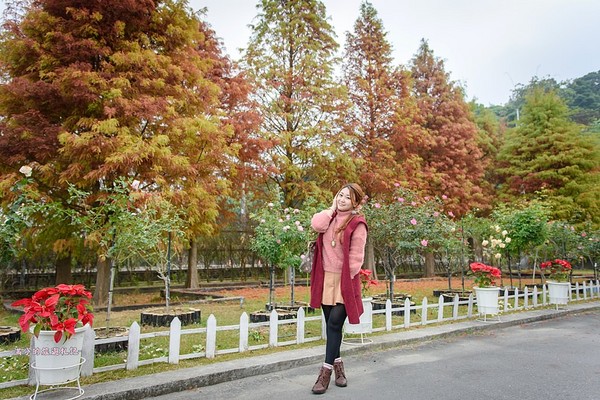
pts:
[557, 359]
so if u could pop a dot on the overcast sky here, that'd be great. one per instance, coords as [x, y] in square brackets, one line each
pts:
[488, 45]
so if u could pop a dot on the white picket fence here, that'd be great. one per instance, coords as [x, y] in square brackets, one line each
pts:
[527, 299]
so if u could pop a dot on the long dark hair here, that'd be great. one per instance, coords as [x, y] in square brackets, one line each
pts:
[357, 198]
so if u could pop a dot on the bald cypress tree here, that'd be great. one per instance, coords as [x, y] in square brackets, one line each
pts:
[290, 61]
[548, 157]
[382, 116]
[97, 90]
[452, 163]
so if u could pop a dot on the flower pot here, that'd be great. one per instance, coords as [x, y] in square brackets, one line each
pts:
[365, 324]
[57, 363]
[487, 300]
[558, 292]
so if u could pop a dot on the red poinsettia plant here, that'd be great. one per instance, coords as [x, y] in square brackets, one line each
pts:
[366, 281]
[557, 270]
[62, 309]
[485, 275]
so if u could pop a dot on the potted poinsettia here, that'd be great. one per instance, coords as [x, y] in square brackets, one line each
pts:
[60, 309]
[558, 271]
[366, 281]
[485, 290]
[57, 317]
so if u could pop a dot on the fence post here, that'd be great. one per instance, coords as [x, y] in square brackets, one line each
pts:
[455, 307]
[300, 326]
[243, 332]
[211, 336]
[406, 313]
[273, 324]
[535, 297]
[424, 310]
[516, 299]
[577, 291]
[505, 300]
[31, 377]
[440, 308]
[584, 291]
[174, 341]
[388, 315]
[470, 306]
[526, 298]
[133, 347]
[87, 352]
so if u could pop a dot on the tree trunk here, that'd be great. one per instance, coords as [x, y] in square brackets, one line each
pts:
[102, 283]
[191, 281]
[63, 270]
[370, 258]
[429, 265]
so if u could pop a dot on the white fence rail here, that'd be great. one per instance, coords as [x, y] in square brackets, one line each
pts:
[409, 315]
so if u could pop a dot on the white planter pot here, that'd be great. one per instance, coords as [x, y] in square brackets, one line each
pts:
[487, 300]
[365, 324]
[57, 363]
[558, 292]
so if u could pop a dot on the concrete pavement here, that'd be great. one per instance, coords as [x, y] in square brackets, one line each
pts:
[189, 378]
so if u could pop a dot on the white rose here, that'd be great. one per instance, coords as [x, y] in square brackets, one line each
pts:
[485, 243]
[504, 233]
[497, 255]
[502, 245]
[507, 240]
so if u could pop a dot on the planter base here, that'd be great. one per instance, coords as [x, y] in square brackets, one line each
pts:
[113, 332]
[164, 318]
[264, 316]
[66, 389]
[487, 304]
[9, 334]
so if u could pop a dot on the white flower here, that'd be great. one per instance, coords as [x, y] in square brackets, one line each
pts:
[135, 184]
[497, 255]
[285, 228]
[300, 228]
[26, 170]
[262, 221]
[270, 204]
[497, 228]
[504, 233]
[297, 222]
[485, 243]
[507, 240]
[502, 245]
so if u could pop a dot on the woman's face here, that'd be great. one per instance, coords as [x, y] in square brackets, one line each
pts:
[343, 200]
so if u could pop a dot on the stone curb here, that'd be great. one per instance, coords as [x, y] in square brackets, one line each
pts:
[206, 375]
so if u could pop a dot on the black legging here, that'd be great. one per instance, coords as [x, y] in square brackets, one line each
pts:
[334, 320]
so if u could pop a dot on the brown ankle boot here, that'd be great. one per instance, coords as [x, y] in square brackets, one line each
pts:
[340, 374]
[322, 382]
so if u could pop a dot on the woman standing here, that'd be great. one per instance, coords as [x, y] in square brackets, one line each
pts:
[335, 282]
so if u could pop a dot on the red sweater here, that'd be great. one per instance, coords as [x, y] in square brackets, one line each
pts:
[351, 288]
